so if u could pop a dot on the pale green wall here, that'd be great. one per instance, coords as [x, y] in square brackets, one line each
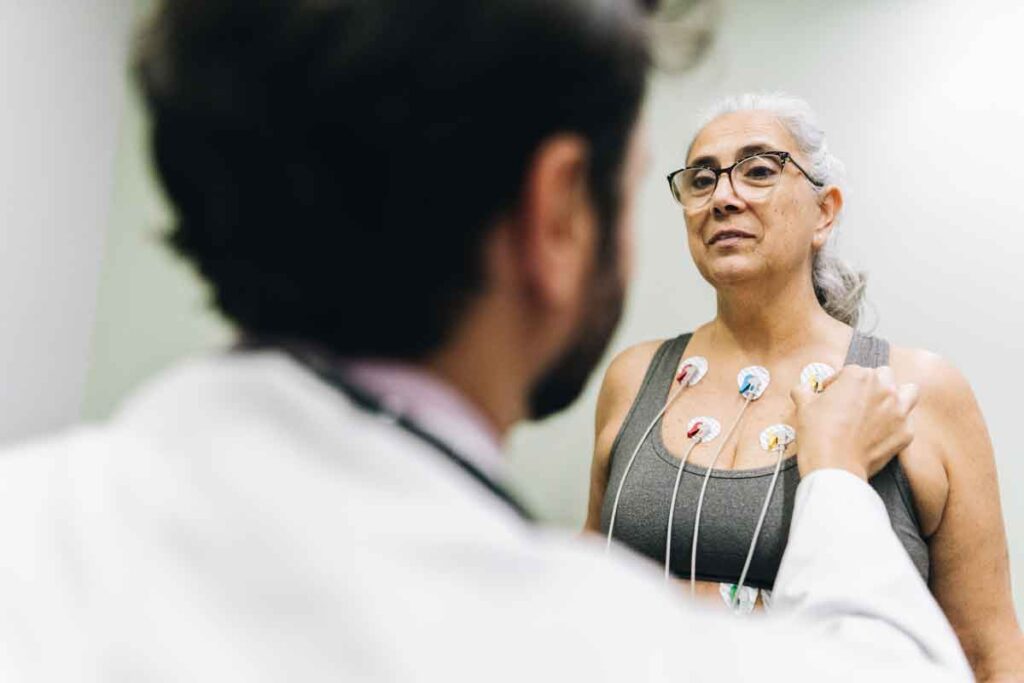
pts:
[151, 309]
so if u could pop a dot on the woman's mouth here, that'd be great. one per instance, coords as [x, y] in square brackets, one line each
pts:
[727, 237]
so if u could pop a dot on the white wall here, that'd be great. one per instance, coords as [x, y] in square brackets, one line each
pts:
[61, 84]
[923, 101]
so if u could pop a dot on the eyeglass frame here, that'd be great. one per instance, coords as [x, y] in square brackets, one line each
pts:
[783, 157]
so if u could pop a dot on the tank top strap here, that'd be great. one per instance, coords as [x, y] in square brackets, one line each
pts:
[658, 380]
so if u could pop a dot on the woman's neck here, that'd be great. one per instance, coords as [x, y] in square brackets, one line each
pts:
[772, 322]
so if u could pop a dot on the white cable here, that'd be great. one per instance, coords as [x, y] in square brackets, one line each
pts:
[703, 489]
[760, 521]
[672, 508]
[690, 371]
[622, 481]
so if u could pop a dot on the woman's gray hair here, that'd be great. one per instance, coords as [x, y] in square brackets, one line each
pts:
[839, 288]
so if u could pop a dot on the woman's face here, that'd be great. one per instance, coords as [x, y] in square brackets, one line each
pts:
[736, 240]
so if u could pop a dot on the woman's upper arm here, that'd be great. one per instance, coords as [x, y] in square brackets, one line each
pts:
[970, 574]
[619, 388]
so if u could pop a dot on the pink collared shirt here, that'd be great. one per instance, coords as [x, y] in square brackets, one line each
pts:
[434, 405]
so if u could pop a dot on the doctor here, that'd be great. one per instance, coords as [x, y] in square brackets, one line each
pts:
[417, 213]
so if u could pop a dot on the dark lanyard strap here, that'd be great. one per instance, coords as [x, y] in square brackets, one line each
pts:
[371, 405]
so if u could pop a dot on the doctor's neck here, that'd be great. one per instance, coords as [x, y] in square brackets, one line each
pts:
[485, 378]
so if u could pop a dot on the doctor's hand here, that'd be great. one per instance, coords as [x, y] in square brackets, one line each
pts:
[859, 422]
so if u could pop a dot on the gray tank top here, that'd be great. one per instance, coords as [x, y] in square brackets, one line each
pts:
[734, 498]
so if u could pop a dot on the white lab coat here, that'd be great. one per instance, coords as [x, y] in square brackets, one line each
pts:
[241, 520]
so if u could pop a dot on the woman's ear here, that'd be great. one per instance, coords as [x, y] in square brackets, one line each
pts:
[829, 205]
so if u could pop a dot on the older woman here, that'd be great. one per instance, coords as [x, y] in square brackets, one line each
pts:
[761, 204]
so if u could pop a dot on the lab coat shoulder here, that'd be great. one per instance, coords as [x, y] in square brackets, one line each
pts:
[245, 512]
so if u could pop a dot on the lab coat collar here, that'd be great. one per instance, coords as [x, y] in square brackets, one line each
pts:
[434, 405]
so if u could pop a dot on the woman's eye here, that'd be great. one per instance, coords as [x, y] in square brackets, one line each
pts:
[759, 170]
[699, 180]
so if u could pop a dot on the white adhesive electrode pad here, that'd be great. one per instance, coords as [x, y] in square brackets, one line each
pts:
[740, 600]
[816, 373]
[700, 365]
[710, 428]
[784, 434]
[759, 380]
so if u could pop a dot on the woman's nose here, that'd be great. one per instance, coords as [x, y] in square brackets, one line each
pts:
[725, 200]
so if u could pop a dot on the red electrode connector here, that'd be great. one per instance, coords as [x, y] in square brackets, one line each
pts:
[684, 373]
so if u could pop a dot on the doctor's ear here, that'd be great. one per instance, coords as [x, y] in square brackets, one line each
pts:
[830, 203]
[557, 221]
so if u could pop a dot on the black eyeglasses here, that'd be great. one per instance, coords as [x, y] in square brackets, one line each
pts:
[753, 178]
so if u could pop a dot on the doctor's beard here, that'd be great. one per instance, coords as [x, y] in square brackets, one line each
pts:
[564, 381]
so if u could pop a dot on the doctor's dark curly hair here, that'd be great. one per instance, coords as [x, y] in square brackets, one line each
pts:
[334, 165]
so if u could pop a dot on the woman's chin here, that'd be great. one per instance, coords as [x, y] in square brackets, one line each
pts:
[730, 272]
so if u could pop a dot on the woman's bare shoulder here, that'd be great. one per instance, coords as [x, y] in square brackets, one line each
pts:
[622, 380]
[946, 411]
[629, 365]
[619, 389]
[944, 390]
